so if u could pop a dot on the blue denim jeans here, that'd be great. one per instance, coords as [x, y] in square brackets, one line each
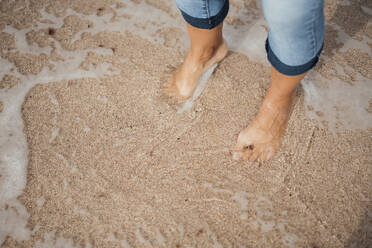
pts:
[296, 29]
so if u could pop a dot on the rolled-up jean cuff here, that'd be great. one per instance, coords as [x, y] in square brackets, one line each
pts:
[288, 69]
[207, 23]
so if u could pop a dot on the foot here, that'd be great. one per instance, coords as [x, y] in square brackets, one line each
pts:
[262, 138]
[184, 80]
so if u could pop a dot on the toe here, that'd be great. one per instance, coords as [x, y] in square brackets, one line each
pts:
[242, 154]
[261, 157]
[237, 155]
[242, 149]
[260, 153]
[254, 155]
[247, 154]
[270, 152]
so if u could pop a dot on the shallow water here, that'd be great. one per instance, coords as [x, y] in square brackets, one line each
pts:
[338, 98]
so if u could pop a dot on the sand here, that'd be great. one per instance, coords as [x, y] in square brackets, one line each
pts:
[92, 156]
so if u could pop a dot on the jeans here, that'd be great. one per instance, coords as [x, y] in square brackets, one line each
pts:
[296, 29]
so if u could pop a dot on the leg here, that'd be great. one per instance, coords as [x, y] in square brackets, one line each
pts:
[262, 137]
[207, 48]
[207, 44]
[294, 43]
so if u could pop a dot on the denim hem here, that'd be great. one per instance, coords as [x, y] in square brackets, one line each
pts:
[207, 23]
[288, 69]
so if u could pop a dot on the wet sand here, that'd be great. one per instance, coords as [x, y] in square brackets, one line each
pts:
[111, 164]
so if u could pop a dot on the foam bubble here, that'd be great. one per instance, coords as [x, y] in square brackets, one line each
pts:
[50, 240]
[13, 145]
[337, 104]
[13, 216]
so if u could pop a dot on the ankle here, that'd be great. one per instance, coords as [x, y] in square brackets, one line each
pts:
[203, 54]
[275, 99]
[277, 94]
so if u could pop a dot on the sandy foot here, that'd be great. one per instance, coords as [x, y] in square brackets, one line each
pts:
[262, 138]
[181, 84]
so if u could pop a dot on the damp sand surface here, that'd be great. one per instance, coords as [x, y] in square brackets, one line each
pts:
[92, 156]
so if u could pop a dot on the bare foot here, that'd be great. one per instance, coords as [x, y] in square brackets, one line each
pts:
[182, 83]
[262, 138]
